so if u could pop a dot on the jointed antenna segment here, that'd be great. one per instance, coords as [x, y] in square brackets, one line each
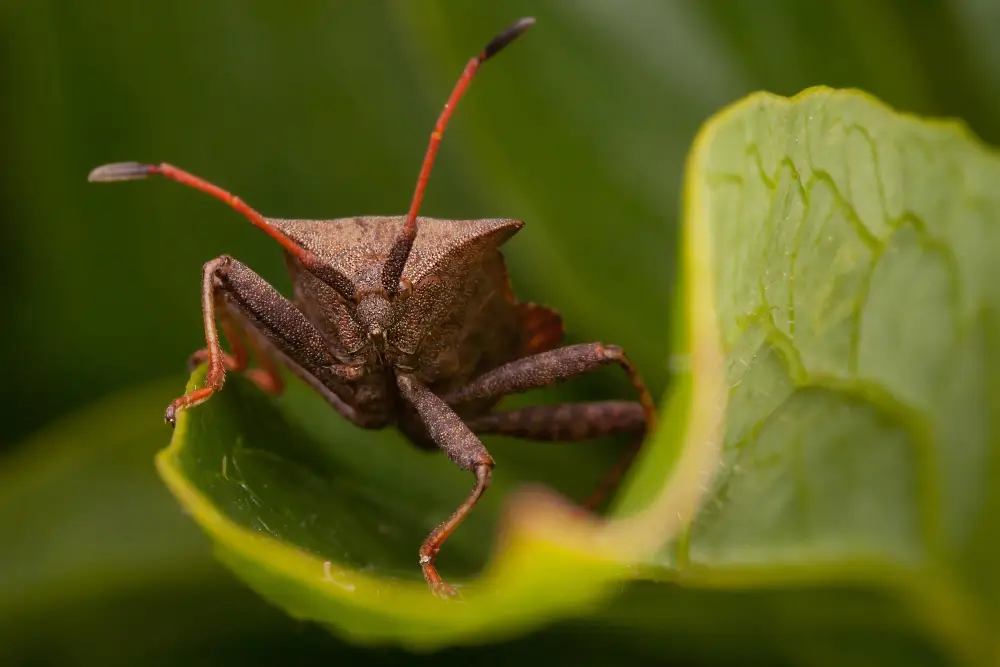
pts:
[131, 171]
[393, 269]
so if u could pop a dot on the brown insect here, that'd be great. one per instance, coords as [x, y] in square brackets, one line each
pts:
[404, 320]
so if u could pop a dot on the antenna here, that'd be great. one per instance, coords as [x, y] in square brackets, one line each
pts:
[400, 251]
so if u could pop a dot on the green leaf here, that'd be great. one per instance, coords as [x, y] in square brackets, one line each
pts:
[832, 417]
[92, 541]
[98, 566]
[856, 291]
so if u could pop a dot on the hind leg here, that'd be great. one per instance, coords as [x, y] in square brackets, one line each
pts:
[573, 422]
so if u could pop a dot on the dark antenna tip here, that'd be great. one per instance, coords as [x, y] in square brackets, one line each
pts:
[119, 171]
[506, 36]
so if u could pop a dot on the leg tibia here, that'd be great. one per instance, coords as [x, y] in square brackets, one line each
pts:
[465, 450]
[216, 358]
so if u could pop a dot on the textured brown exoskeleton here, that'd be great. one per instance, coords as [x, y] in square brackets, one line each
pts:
[404, 320]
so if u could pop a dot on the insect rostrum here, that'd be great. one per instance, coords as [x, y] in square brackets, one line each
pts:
[405, 321]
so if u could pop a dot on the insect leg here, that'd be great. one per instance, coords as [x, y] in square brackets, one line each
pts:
[465, 450]
[547, 368]
[269, 318]
[572, 422]
[266, 377]
[566, 422]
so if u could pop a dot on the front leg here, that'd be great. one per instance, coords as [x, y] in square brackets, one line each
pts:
[465, 450]
[259, 307]
[267, 378]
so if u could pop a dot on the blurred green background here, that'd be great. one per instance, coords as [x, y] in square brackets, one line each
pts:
[322, 109]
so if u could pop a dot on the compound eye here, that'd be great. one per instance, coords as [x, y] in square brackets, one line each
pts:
[405, 289]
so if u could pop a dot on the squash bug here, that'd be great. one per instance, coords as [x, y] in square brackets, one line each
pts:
[407, 321]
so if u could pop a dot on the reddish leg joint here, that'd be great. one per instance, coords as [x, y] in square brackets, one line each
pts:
[429, 549]
[615, 354]
[267, 378]
[216, 358]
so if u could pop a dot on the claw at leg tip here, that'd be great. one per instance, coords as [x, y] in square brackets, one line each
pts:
[445, 591]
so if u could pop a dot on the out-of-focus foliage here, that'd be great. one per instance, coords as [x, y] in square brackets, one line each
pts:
[322, 109]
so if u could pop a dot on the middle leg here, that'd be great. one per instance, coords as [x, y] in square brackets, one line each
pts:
[547, 368]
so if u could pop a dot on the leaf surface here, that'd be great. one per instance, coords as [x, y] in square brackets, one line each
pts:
[93, 541]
